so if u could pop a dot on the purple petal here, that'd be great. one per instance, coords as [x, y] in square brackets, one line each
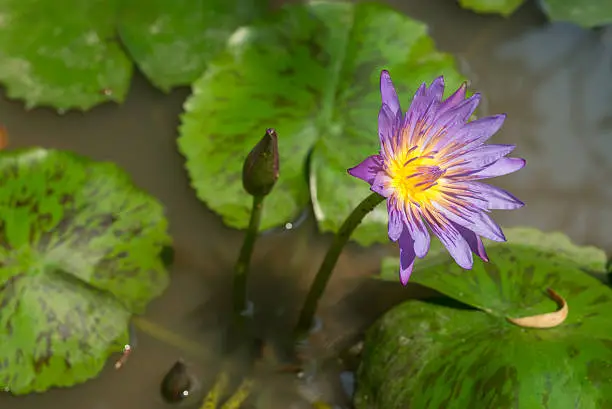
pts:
[473, 241]
[382, 184]
[477, 132]
[457, 97]
[367, 169]
[495, 197]
[502, 166]
[436, 89]
[418, 107]
[388, 125]
[406, 247]
[418, 231]
[456, 245]
[459, 113]
[476, 220]
[388, 93]
[450, 121]
[484, 155]
[396, 223]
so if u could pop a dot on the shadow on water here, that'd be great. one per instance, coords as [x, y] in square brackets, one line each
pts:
[552, 80]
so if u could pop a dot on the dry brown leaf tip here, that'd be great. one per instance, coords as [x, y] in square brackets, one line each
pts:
[546, 320]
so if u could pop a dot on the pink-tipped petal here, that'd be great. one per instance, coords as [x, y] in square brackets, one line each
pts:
[368, 169]
[406, 246]
[495, 197]
[501, 167]
[396, 224]
[388, 93]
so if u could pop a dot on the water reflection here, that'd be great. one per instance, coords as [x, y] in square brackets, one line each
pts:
[552, 80]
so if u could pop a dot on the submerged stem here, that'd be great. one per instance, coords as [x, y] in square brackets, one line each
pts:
[241, 269]
[329, 262]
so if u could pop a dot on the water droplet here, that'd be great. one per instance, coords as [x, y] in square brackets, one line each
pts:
[177, 384]
[288, 226]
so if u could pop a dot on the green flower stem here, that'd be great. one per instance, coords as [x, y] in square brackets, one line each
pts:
[329, 262]
[241, 269]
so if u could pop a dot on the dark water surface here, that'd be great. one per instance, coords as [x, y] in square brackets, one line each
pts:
[554, 81]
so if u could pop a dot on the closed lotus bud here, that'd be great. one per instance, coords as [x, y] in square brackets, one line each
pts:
[260, 169]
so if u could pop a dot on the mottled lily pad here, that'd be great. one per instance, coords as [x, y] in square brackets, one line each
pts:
[426, 355]
[172, 41]
[311, 72]
[61, 54]
[503, 7]
[478, 288]
[69, 54]
[79, 254]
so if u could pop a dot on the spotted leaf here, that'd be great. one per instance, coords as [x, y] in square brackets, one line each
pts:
[79, 254]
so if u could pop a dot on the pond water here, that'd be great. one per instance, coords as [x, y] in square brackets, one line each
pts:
[553, 80]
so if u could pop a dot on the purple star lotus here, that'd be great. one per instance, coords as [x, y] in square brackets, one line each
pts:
[429, 168]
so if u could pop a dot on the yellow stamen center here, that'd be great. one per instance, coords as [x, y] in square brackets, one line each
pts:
[415, 175]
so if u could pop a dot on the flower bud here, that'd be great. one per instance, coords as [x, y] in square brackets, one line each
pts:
[260, 169]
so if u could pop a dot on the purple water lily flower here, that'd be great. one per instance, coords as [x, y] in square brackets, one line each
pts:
[429, 168]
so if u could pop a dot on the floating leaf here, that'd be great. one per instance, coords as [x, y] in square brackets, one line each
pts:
[312, 73]
[62, 54]
[503, 7]
[507, 284]
[427, 356]
[586, 13]
[172, 41]
[79, 254]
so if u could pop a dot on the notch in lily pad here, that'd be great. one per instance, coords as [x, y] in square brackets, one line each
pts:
[80, 253]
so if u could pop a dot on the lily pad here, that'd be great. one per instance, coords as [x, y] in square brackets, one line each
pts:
[172, 41]
[63, 55]
[69, 55]
[503, 7]
[79, 254]
[425, 355]
[510, 268]
[311, 72]
[585, 13]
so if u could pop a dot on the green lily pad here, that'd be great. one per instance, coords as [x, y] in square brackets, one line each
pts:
[525, 250]
[503, 7]
[428, 356]
[312, 73]
[79, 254]
[64, 55]
[172, 41]
[586, 13]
